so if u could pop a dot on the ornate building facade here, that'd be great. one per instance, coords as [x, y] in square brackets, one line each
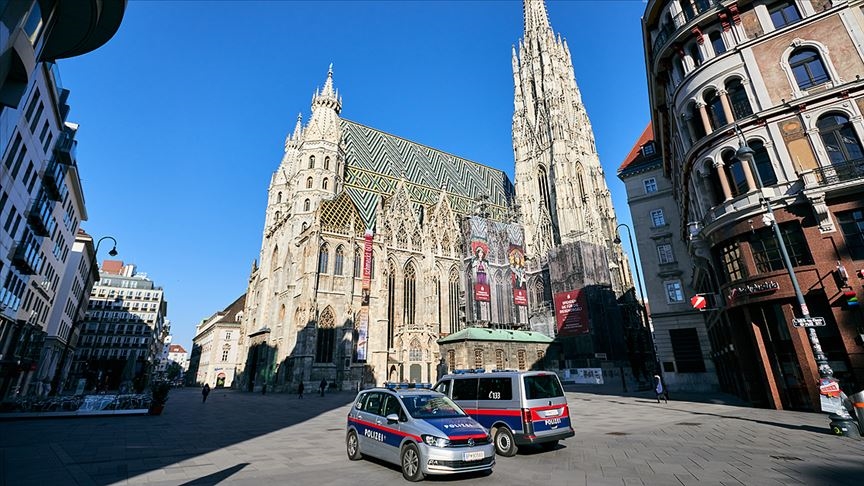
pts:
[376, 247]
[781, 82]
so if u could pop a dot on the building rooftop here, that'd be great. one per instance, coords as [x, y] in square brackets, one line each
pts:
[486, 334]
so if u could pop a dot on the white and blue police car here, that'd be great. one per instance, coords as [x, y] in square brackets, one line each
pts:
[418, 428]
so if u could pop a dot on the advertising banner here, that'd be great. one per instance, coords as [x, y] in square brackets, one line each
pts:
[362, 332]
[571, 313]
[480, 270]
[367, 266]
[517, 275]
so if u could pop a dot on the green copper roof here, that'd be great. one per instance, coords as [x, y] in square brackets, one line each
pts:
[485, 334]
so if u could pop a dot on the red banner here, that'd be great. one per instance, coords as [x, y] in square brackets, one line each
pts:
[367, 262]
[481, 292]
[571, 313]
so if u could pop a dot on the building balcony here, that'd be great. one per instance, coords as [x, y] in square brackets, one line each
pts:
[25, 256]
[53, 178]
[681, 22]
[844, 172]
[39, 216]
[65, 149]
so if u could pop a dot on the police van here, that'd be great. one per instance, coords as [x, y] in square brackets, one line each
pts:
[517, 407]
[419, 429]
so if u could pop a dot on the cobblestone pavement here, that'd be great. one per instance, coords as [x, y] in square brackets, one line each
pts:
[243, 438]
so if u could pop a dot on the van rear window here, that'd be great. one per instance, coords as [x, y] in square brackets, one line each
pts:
[542, 386]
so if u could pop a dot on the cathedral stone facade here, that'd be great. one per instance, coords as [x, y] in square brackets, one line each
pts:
[375, 248]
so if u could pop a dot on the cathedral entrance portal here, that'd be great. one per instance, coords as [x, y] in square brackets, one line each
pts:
[415, 372]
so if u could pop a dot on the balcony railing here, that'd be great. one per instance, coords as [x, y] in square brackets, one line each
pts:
[691, 11]
[26, 257]
[66, 148]
[53, 180]
[39, 216]
[845, 171]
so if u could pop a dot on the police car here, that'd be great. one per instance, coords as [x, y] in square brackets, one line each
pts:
[518, 407]
[419, 429]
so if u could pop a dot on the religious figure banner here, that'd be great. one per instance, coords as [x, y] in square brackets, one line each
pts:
[517, 275]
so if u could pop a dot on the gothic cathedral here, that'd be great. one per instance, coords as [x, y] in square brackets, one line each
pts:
[382, 259]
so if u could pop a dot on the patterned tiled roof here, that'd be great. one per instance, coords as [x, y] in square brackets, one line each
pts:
[376, 161]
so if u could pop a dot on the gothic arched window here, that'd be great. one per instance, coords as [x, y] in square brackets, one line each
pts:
[309, 183]
[326, 163]
[839, 137]
[311, 161]
[339, 260]
[274, 259]
[453, 300]
[323, 256]
[808, 68]
[279, 197]
[391, 302]
[499, 359]
[543, 179]
[358, 262]
[325, 342]
[409, 302]
[451, 359]
[306, 205]
[520, 358]
[537, 294]
[325, 184]
[415, 352]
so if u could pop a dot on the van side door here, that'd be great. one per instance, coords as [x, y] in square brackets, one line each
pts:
[497, 404]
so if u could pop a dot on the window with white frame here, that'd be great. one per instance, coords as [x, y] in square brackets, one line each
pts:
[664, 253]
[650, 185]
[674, 291]
[657, 218]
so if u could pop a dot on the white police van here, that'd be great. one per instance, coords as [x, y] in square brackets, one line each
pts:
[517, 407]
[419, 429]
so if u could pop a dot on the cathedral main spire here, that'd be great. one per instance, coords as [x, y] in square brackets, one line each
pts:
[536, 18]
[561, 189]
[328, 96]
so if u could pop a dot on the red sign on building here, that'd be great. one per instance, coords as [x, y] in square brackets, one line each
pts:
[571, 313]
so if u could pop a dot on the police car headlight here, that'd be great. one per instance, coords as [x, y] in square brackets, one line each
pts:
[435, 441]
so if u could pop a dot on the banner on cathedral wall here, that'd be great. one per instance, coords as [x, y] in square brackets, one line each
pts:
[362, 326]
[480, 270]
[571, 313]
[518, 279]
[367, 266]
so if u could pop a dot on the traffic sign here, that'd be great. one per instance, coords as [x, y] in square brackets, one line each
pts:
[808, 321]
[698, 301]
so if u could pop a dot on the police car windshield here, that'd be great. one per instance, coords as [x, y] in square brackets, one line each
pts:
[431, 406]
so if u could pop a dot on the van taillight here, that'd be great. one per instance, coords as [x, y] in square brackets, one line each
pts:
[526, 415]
[567, 409]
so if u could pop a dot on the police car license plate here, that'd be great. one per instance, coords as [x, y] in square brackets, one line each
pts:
[472, 456]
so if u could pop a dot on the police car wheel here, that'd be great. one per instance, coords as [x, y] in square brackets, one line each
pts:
[411, 463]
[504, 443]
[353, 446]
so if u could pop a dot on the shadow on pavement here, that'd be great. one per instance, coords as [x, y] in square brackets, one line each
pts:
[216, 477]
[106, 450]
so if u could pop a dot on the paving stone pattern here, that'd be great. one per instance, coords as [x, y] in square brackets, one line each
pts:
[244, 438]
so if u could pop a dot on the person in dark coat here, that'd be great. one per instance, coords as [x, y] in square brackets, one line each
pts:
[205, 391]
[323, 385]
[300, 390]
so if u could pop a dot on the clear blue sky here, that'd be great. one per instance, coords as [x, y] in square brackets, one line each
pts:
[183, 114]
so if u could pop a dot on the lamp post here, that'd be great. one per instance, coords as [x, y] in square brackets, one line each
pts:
[55, 382]
[642, 310]
[746, 155]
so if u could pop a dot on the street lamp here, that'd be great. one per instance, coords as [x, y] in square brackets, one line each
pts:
[642, 309]
[112, 252]
[635, 266]
[746, 155]
[55, 382]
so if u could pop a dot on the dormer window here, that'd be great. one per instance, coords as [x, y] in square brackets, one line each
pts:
[648, 149]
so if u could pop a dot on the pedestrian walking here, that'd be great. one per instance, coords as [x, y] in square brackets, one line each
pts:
[300, 390]
[660, 389]
[205, 391]
[323, 385]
